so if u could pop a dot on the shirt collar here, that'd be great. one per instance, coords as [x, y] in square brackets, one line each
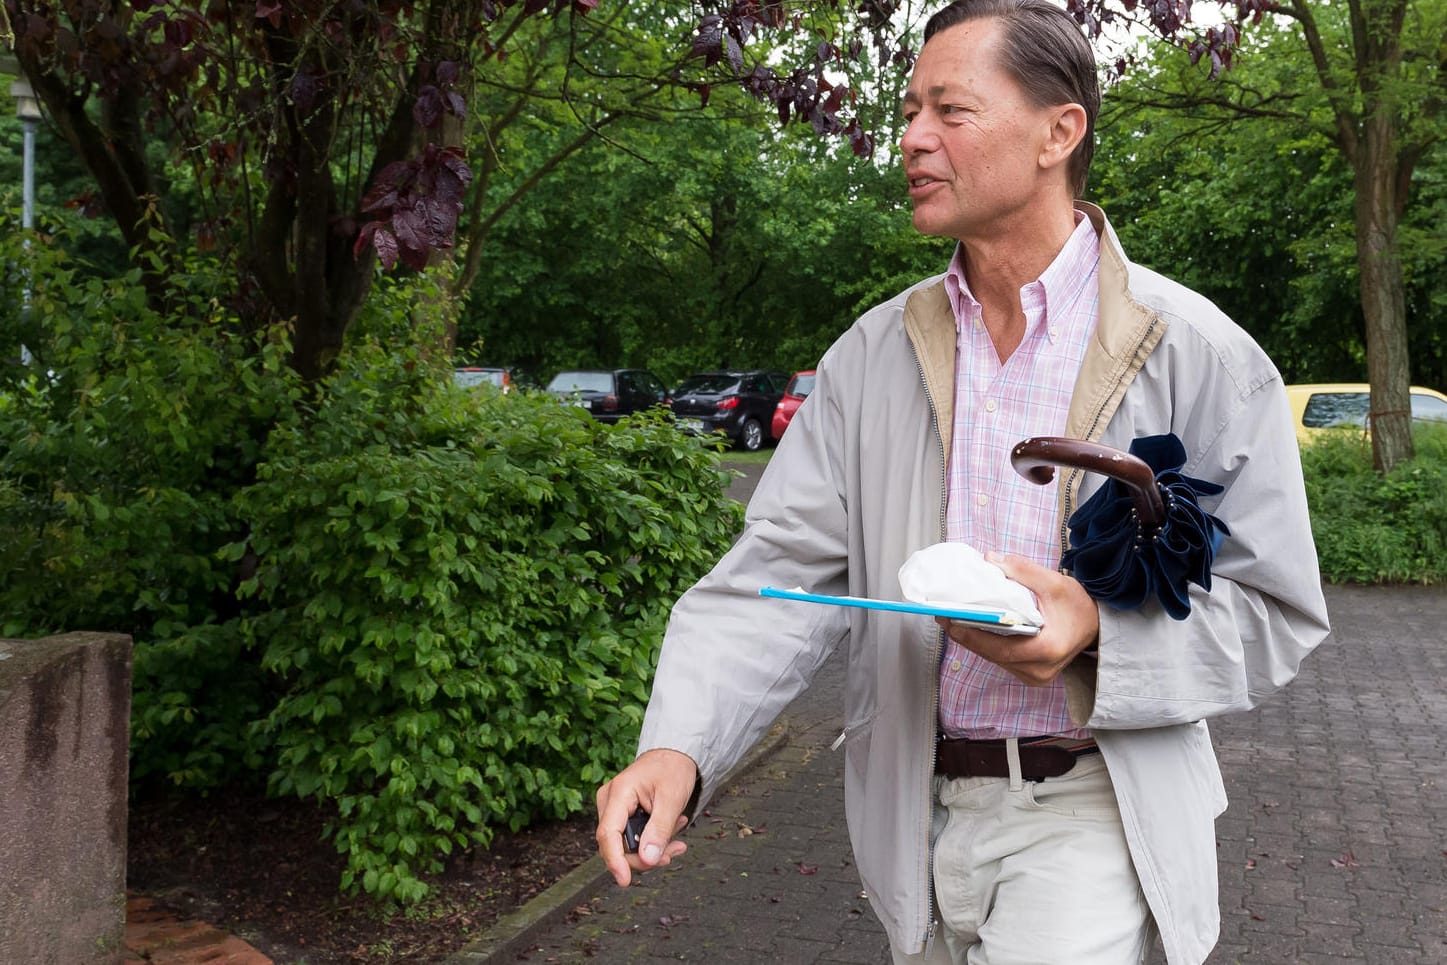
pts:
[1061, 282]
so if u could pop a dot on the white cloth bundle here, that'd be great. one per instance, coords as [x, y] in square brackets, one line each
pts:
[958, 575]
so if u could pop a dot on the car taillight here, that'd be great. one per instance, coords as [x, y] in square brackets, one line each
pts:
[608, 403]
[732, 402]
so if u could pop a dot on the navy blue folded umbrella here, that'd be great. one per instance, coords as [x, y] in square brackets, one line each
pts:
[1143, 534]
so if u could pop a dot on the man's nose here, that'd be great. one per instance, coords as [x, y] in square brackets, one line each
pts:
[916, 137]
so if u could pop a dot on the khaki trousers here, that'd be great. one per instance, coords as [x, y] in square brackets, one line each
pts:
[1034, 873]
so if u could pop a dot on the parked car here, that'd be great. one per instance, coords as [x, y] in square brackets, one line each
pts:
[471, 376]
[797, 391]
[610, 394]
[738, 404]
[1318, 408]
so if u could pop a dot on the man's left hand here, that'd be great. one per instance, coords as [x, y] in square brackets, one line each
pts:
[1072, 623]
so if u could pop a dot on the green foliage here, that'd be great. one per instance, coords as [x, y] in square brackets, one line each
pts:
[712, 242]
[1256, 212]
[61, 184]
[1378, 529]
[120, 450]
[435, 611]
[464, 595]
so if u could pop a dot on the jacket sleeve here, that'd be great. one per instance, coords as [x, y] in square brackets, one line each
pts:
[732, 660]
[1247, 636]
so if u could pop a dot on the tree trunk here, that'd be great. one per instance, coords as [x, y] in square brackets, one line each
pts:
[1384, 304]
[435, 319]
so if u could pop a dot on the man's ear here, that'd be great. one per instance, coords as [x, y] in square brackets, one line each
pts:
[1067, 127]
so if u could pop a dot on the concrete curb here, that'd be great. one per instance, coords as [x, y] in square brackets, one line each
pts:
[512, 934]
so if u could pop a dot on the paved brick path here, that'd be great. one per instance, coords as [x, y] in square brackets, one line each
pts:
[1334, 849]
[157, 936]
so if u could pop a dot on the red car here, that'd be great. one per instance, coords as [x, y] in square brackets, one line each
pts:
[799, 386]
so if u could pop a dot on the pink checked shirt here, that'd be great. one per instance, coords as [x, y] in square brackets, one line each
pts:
[989, 505]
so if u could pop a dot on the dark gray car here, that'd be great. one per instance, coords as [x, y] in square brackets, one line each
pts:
[610, 394]
[738, 404]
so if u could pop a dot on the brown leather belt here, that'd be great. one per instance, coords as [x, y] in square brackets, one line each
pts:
[986, 758]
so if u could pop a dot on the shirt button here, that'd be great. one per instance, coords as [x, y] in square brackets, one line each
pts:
[1054, 334]
[955, 665]
[990, 405]
[982, 499]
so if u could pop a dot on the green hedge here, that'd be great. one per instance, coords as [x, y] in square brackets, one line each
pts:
[436, 611]
[1378, 529]
[466, 596]
[122, 449]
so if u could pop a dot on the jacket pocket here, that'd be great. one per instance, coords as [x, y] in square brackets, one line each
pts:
[852, 732]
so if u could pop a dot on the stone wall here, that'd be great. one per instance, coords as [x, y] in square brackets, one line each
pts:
[65, 704]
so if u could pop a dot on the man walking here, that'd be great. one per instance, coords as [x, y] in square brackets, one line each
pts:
[1046, 799]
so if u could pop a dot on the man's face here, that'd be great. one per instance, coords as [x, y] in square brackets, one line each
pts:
[973, 141]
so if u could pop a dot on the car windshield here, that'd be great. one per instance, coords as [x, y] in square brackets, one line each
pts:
[710, 384]
[581, 382]
[802, 385]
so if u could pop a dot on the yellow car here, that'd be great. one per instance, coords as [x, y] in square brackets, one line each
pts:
[1317, 408]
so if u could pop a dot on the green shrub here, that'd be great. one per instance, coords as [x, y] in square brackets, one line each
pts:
[465, 595]
[437, 612]
[1378, 529]
[121, 450]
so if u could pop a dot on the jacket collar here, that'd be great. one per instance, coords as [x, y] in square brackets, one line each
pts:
[1126, 333]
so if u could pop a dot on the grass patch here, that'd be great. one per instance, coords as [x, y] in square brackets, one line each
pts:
[739, 456]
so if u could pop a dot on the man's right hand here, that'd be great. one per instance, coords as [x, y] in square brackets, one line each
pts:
[660, 782]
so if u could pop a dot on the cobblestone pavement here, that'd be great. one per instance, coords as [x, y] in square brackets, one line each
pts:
[1334, 848]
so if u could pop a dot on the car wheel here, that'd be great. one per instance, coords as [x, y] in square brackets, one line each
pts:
[751, 435]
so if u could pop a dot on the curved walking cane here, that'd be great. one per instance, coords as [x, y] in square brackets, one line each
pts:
[1036, 459]
[1143, 534]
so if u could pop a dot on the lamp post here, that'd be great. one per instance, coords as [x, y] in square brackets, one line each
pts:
[27, 108]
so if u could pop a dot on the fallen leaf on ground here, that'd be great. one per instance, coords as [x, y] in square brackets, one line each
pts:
[1347, 860]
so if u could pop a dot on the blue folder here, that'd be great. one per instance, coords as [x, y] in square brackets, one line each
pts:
[988, 618]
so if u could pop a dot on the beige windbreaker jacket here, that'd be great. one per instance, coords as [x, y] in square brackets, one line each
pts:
[857, 485]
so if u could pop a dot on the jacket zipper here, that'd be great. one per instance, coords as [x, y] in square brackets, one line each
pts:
[936, 656]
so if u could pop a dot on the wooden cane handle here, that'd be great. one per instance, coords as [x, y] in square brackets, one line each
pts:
[1036, 458]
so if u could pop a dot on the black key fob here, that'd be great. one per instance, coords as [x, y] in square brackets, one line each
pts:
[633, 830]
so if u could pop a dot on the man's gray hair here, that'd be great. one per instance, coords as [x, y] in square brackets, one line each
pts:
[1045, 51]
